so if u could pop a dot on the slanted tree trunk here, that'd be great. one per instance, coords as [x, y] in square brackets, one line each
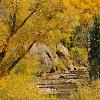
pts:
[14, 29]
[12, 33]
[4, 71]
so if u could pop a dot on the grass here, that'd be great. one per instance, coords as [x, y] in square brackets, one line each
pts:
[87, 92]
[20, 84]
[21, 87]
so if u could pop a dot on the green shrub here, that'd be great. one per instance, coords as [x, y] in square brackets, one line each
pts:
[95, 71]
[60, 64]
[78, 55]
[29, 66]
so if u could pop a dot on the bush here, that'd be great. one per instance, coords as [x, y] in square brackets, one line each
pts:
[30, 66]
[95, 71]
[16, 87]
[79, 55]
[60, 64]
[91, 92]
[21, 87]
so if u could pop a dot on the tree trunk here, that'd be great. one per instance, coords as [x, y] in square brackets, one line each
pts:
[4, 71]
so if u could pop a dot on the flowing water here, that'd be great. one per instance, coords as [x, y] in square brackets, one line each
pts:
[62, 84]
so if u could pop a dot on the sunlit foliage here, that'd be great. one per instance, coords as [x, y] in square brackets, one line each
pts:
[87, 91]
[28, 20]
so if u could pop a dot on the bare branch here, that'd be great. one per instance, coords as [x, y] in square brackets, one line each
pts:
[25, 20]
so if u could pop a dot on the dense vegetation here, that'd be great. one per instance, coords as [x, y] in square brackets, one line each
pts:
[68, 30]
[94, 54]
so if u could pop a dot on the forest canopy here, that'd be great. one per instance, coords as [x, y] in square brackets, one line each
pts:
[49, 46]
[24, 22]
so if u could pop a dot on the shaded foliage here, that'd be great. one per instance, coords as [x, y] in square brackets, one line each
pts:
[94, 54]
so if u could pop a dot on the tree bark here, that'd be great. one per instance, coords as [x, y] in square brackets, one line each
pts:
[14, 31]
[4, 71]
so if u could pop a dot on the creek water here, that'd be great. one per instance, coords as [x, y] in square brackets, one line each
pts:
[62, 84]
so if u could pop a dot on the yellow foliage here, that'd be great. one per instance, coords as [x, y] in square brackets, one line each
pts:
[76, 3]
[60, 64]
[21, 87]
[16, 86]
[89, 2]
[86, 17]
[87, 92]
[84, 6]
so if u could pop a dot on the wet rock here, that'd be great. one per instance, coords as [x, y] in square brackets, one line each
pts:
[62, 77]
[83, 68]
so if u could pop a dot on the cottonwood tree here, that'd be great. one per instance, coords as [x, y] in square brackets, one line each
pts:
[25, 21]
[10, 16]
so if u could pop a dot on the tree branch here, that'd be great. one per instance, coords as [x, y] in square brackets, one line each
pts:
[25, 20]
[14, 29]
[18, 59]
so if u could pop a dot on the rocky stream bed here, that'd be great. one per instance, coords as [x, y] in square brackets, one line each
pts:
[62, 83]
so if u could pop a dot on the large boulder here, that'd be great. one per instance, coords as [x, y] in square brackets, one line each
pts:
[44, 54]
[62, 51]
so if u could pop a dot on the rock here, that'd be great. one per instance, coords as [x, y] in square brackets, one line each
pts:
[71, 67]
[60, 54]
[62, 50]
[52, 70]
[81, 68]
[62, 77]
[44, 54]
